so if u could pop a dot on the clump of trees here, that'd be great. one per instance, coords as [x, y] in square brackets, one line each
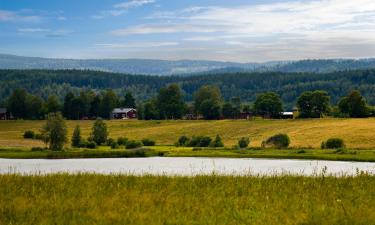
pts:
[313, 104]
[268, 105]
[200, 141]
[354, 105]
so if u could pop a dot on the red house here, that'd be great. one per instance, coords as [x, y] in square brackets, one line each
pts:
[124, 113]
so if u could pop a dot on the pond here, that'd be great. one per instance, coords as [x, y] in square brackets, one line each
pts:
[184, 166]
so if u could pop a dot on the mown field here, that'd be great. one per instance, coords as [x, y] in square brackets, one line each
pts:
[357, 133]
[116, 199]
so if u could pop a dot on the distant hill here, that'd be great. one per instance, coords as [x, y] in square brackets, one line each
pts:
[244, 85]
[182, 67]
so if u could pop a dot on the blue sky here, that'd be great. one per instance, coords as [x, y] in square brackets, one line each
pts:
[235, 30]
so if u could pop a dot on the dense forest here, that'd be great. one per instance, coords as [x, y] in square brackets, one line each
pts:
[244, 85]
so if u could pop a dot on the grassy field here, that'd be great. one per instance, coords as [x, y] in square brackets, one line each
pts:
[357, 133]
[96, 199]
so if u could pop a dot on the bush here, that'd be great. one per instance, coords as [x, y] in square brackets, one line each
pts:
[91, 145]
[148, 142]
[133, 144]
[110, 141]
[279, 141]
[217, 143]
[38, 137]
[243, 142]
[333, 143]
[83, 143]
[122, 140]
[114, 145]
[37, 149]
[200, 141]
[29, 134]
[183, 141]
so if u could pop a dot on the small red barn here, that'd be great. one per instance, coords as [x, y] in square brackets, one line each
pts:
[124, 113]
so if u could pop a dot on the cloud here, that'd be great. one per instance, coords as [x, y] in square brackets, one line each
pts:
[166, 28]
[137, 45]
[121, 8]
[133, 4]
[32, 30]
[17, 16]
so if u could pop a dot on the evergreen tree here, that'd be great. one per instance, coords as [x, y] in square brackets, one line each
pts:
[76, 138]
[17, 103]
[99, 132]
[108, 103]
[228, 110]
[67, 108]
[55, 131]
[129, 101]
[52, 104]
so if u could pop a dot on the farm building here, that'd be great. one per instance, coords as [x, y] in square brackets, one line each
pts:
[124, 113]
[4, 114]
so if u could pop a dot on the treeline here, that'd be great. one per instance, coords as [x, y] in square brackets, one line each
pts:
[169, 103]
[289, 86]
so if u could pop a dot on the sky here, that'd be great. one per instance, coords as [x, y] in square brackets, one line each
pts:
[224, 30]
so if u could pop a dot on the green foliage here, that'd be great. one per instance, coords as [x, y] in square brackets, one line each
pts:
[170, 103]
[91, 145]
[17, 103]
[109, 101]
[55, 131]
[110, 141]
[207, 101]
[217, 142]
[148, 142]
[150, 111]
[199, 141]
[99, 132]
[52, 104]
[228, 110]
[333, 143]
[114, 145]
[29, 134]
[183, 141]
[122, 140]
[76, 137]
[313, 104]
[243, 142]
[268, 105]
[133, 144]
[354, 105]
[278, 141]
[129, 101]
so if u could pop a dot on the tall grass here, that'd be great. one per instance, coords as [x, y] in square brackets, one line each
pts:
[119, 199]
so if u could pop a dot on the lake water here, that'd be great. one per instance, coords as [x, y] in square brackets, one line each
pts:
[183, 166]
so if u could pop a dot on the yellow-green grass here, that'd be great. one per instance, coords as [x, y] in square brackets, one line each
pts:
[357, 133]
[119, 199]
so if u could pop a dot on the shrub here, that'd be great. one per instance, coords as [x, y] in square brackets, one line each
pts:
[183, 141]
[243, 142]
[29, 134]
[114, 145]
[148, 142]
[91, 145]
[38, 136]
[110, 141]
[83, 143]
[279, 141]
[133, 144]
[37, 149]
[334, 143]
[217, 143]
[99, 132]
[200, 141]
[122, 140]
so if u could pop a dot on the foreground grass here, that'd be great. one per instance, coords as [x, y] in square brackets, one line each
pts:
[357, 133]
[119, 199]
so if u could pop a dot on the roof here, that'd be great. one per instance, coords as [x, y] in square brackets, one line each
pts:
[287, 113]
[123, 110]
[3, 110]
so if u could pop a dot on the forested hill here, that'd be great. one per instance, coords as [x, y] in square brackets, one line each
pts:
[183, 67]
[244, 85]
